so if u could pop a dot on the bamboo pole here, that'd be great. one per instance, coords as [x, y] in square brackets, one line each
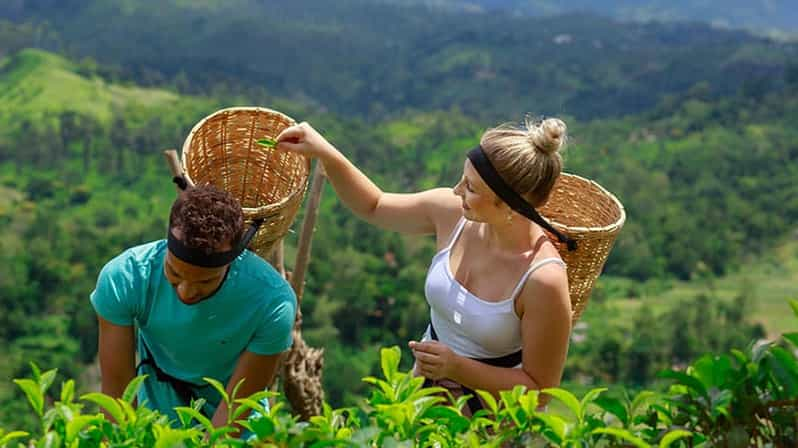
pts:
[306, 235]
[175, 166]
[302, 368]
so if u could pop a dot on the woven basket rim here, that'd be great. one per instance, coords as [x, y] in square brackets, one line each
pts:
[250, 211]
[611, 228]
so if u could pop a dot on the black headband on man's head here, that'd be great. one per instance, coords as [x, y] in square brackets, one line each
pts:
[492, 178]
[198, 257]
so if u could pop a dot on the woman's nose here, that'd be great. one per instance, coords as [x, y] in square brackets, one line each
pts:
[457, 188]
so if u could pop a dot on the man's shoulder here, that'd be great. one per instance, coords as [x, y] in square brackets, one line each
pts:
[258, 274]
[137, 259]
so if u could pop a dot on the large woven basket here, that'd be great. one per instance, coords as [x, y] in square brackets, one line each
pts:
[222, 150]
[586, 212]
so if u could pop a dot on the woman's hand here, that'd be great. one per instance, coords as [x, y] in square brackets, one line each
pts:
[305, 140]
[434, 360]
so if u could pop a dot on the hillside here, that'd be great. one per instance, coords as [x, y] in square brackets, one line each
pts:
[35, 85]
[778, 17]
[376, 60]
[96, 184]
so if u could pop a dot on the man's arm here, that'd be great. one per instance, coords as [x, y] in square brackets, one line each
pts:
[117, 357]
[258, 371]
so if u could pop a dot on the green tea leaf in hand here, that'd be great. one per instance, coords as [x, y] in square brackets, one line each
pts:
[267, 142]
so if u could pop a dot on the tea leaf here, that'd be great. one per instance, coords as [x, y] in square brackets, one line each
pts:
[109, 404]
[34, 394]
[623, 434]
[68, 391]
[267, 142]
[11, 436]
[389, 360]
[219, 388]
[673, 436]
[78, 423]
[567, 398]
[133, 388]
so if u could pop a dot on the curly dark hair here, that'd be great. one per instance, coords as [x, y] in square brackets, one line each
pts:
[207, 218]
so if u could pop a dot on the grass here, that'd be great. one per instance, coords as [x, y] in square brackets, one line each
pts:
[35, 83]
[770, 280]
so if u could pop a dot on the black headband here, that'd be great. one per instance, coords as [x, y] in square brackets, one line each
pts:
[198, 257]
[491, 177]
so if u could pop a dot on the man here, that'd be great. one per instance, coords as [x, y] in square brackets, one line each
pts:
[202, 305]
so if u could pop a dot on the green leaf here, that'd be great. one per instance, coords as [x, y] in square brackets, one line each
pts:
[712, 370]
[47, 379]
[34, 394]
[78, 423]
[193, 413]
[640, 400]
[11, 436]
[684, 379]
[568, 399]
[133, 388]
[792, 338]
[267, 142]
[455, 422]
[529, 402]
[591, 396]
[170, 438]
[389, 361]
[623, 434]
[219, 432]
[673, 436]
[614, 407]
[262, 427]
[489, 400]
[234, 393]
[246, 404]
[110, 405]
[556, 427]
[219, 388]
[68, 391]
[794, 306]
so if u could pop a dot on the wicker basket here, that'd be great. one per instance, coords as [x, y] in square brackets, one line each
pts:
[591, 215]
[270, 184]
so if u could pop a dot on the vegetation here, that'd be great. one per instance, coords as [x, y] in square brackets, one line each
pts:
[742, 399]
[693, 129]
[379, 59]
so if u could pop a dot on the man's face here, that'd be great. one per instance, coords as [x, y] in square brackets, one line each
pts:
[193, 283]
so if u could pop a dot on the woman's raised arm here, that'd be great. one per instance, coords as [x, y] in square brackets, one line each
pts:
[416, 213]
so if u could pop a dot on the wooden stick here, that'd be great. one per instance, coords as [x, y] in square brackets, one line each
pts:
[306, 235]
[175, 166]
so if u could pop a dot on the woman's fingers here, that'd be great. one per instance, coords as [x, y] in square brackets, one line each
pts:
[427, 358]
[292, 134]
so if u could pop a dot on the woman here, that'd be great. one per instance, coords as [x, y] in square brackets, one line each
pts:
[497, 288]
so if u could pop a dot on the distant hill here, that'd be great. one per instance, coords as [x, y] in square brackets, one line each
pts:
[780, 16]
[377, 59]
[35, 83]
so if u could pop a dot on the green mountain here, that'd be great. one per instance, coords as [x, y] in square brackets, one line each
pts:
[708, 184]
[776, 16]
[376, 59]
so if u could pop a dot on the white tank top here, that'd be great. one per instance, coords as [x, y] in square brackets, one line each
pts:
[471, 326]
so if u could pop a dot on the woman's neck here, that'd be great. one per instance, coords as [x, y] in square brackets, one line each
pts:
[514, 236]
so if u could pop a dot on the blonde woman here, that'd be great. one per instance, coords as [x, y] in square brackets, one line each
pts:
[500, 313]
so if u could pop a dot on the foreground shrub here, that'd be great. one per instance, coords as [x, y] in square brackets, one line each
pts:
[745, 398]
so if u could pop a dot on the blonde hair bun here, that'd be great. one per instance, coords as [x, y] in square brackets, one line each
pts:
[547, 136]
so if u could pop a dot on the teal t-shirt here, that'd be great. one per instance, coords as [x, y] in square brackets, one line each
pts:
[253, 310]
